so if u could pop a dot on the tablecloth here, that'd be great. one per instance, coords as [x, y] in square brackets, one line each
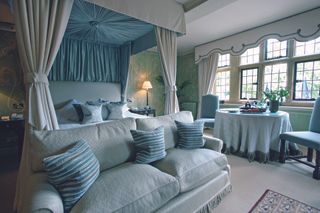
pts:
[252, 134]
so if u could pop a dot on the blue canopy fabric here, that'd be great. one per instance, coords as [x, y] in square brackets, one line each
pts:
[94, 23]
[79, 60]
[97, 45]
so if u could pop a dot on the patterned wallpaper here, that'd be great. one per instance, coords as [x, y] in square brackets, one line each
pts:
[145, 66]
[11, 83]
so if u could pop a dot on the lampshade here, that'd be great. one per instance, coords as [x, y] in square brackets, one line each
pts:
[146, 85]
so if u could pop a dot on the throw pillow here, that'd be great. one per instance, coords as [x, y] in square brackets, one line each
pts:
[91, 114]
[116, 110]
[78, 109]
[104, 107]
[72, 172]
[67, 113]
[149, 145]
[190, 135]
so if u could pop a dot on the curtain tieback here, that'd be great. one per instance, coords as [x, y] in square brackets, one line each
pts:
[31, 78]
[172, 88]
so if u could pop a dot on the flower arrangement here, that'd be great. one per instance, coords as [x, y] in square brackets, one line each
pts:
[276, 95]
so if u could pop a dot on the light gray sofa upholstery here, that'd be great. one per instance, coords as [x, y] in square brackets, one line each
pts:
[184, 181]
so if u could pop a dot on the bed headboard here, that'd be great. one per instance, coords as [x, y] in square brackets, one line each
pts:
[62, 91]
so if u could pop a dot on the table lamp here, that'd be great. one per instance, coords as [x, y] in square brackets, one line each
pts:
[147, 85]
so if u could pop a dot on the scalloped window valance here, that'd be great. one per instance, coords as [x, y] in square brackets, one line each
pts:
[301, 27]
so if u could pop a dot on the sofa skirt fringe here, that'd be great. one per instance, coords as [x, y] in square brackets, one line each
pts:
[208, 208]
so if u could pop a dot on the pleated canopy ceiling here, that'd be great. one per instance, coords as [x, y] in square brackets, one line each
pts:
[93, 23]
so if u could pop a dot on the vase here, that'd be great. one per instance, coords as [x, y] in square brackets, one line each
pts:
[274, 106]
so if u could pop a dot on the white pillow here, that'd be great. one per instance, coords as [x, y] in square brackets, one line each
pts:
[103, 103]
[91, 113]
[117, 110]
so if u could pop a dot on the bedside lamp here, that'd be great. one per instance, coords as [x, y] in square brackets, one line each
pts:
[147, 85]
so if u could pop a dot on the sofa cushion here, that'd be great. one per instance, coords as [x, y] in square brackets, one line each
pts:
[129, 187]
[190, 135]
[111, 142]
[149, 145]
[193, 167]
[72, 172]
[167, 121]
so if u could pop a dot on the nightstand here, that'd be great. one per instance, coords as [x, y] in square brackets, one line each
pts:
[11, 138]
[146, 112]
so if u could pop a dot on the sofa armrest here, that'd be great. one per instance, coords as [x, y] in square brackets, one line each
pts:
[45, 198]
[213, 143]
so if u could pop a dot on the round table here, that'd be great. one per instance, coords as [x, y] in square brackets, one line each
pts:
[251, 134]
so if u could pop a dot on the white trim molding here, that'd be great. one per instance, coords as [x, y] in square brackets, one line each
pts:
[301, 27]
[166, 14]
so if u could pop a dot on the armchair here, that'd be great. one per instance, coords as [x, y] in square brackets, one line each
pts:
[310, 139]
[209, 106]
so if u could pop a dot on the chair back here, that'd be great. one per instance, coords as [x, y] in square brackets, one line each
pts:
[314, 125]
[209, 106]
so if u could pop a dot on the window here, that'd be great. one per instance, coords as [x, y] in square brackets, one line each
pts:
[307, 80]
[275, 76]
[222, 85]
[307, 48]
[249, 83]
[250, 56]
[224, 60]
[276, 49]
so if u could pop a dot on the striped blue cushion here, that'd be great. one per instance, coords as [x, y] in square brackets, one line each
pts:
[190, 135]
[149, 145]
[72, 172]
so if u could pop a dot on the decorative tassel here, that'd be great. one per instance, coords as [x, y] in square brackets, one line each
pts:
[215, 201]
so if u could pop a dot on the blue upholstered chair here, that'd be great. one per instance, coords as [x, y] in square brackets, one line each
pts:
[209, 106]
[310, 139]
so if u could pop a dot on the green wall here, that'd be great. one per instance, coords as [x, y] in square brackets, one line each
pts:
[11, 84]
[145, 66]
[187, 72]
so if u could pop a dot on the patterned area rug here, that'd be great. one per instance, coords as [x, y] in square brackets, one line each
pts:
[273, 202]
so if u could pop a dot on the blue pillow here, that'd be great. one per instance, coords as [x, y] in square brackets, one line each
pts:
[67, 113]
[72, 172]
[190, 135]
[78, 109]
[149, 145]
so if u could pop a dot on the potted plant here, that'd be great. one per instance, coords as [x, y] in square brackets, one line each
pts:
[275, 97]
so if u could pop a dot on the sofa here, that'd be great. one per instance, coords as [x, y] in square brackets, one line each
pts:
[186, 180]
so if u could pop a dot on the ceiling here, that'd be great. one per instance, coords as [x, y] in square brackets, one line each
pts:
[216, 19]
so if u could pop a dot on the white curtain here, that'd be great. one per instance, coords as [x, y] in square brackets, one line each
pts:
[207, 70]
[167, 46]
[40, 26]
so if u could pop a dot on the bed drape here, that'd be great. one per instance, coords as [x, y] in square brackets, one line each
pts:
[88, 61]
[167, 46]
[80, 60]
[206, 76]
[40, 26]
[125, 53]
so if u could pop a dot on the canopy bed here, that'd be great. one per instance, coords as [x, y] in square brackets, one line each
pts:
[88, 41]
